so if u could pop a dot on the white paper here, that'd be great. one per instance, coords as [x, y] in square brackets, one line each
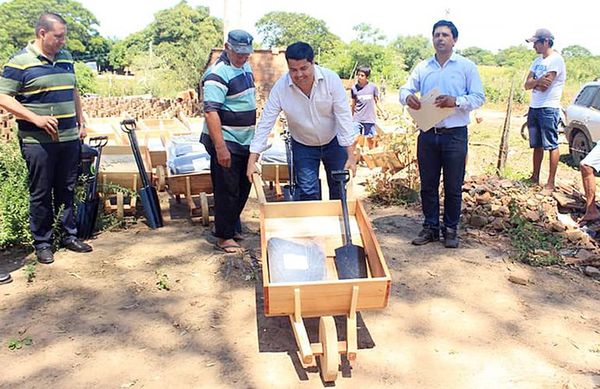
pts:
[429, 115]
[295, 262]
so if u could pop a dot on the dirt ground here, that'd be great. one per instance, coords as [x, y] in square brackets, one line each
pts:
[454, 319]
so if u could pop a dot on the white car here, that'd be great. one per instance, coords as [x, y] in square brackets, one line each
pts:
[583, 121]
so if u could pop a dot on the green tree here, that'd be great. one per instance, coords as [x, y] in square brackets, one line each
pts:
[413, 49]
[86, 79]
[478, 55]
[18, 19]
[574, 51]
[516, 56]
[180, 37]
[280, 29]
[369, 34]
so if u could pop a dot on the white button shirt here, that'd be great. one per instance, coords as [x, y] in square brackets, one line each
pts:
[312, 121]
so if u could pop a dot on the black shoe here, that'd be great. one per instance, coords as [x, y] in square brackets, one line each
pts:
[45, 256]
[78, 246]
[5, 278]
[426, 235]
[450, 238]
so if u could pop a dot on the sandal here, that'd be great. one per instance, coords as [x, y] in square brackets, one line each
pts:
[229, 248]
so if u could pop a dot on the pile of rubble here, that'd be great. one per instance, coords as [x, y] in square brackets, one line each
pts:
[487, 204]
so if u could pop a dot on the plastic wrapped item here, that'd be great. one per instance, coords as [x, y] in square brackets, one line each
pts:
[190, 163]
[275, 153]
[296, 260]
[185, 144]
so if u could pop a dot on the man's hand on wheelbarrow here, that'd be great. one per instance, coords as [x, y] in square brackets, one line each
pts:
[351, 161]
[252, 166]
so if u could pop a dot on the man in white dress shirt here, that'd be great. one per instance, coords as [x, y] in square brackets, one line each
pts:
[320, 123]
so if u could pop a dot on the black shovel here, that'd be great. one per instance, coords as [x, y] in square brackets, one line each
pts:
[87, 211]
[148, 193]
[350, 258]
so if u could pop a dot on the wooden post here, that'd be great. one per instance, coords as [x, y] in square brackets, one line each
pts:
[503, 152]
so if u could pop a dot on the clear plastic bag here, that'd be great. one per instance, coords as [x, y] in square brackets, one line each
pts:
[296, 260]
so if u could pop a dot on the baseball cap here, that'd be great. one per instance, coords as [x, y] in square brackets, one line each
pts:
[240, 41]
[540, 34]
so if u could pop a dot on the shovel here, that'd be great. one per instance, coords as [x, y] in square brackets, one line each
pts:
[350, 258]
[87, 211]
[148, 192]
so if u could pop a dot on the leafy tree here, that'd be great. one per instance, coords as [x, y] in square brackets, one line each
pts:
[413, 49]
[575, 51]
[369, 34]
[86, 79]
[18, 19]
[478, 55]
[280, 29]
[516, 56]
[181, 37]
[583, 69]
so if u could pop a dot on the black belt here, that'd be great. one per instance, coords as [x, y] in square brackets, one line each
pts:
[444, 130]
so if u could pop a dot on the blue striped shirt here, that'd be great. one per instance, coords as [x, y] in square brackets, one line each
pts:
[458, 77]
[230, 92]
[44, 87]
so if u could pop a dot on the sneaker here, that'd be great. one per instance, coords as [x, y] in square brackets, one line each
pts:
[426, 235]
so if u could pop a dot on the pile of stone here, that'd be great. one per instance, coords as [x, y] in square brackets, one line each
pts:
[487, 203]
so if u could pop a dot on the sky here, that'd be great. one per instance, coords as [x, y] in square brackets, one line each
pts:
[492, 25]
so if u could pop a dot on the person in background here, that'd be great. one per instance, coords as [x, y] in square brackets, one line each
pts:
[546, 79]
[365, 104]
[38, 86]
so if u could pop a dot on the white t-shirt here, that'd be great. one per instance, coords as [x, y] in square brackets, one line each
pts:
[541, 66]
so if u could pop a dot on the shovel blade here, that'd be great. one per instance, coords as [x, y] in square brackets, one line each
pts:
[350, 262]
[87, 214]
[149, 198]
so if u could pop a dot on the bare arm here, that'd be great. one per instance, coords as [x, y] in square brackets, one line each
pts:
[213, 122]
[46, 123]
[541, 83]
[79, 115]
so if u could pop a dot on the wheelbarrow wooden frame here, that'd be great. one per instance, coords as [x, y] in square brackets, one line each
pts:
[329, 297]
[191, 185]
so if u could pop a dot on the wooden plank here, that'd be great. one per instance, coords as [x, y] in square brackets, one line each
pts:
[375, 260]
[199, 182]
[269, 171]
[259, 189]
[351, 330]
[306, 208]
[326, 297]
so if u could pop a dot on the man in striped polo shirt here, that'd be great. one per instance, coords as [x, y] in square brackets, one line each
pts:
[38, 86]
[230, 116]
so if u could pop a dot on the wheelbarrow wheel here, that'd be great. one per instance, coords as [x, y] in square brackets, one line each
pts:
[330, 359]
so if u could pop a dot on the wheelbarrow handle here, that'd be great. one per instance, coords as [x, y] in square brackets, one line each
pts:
[342, 176]
[98, 141]
[128, 125]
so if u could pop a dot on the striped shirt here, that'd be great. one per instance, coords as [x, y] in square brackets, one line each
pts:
[44, 87]
[230, 92]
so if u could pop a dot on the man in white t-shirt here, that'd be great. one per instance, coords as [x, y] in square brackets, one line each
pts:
[546, 79]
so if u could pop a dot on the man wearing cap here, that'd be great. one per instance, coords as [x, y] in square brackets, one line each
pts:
[38, 86]
[316, 107]
[546, 79]
[444, 146]
[230, 116]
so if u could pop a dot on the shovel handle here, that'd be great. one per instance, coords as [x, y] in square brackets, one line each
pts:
[128, 125]
[342, 176]
[98, 141]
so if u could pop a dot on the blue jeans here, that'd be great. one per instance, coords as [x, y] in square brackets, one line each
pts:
[306, 168]
[52, 179]
[543, 128]
[436, 153]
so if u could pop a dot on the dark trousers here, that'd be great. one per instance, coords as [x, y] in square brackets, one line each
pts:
[231, 189]
[306, 168]
[52, 179]
[436, 153]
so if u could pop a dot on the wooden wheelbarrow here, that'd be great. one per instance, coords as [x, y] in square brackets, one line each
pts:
[322, 220]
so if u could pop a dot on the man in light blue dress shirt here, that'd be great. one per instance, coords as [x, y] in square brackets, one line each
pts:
[443, 147]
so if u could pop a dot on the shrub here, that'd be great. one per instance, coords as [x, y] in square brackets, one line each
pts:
[14, 196]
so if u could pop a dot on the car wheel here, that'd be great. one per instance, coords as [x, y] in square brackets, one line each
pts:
[580, 147]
